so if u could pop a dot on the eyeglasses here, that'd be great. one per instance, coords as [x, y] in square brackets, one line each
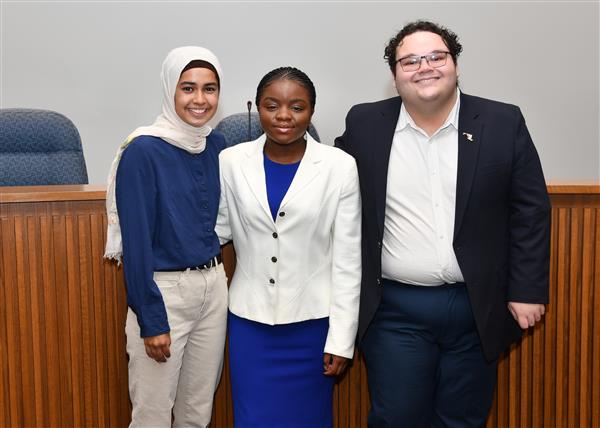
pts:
[413, 62]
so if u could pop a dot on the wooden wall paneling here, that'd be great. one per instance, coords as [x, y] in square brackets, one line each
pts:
[65, 365]
[525, 351]
[62, 342]
[24, 353]
[573, 317]
[37, 340]
[99, 303]
[538, 358]
[584, 313]
[549, 328]
[50, 323]
[595, 315]
[341, 401]
[110, 308]
[354, 391]
[4, 384]
[89, 379]
[13, 369]
[562, 318]
[72, 326]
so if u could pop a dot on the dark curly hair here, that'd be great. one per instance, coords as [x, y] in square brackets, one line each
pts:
[450, 40]
[289, 73]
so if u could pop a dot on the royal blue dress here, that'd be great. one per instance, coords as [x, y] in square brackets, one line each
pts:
[276, 371]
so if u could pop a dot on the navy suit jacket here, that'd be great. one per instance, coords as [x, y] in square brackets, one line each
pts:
[502, 221]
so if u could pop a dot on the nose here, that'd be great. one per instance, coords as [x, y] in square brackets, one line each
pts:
[200, 97]
[424, 65]
[283, 113]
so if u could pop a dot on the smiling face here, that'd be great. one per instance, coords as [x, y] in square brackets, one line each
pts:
[427, 87]
[285, 111]
[197, 96]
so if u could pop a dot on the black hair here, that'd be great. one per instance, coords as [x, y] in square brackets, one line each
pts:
[289, 73]
[450, 40]
[198, 63]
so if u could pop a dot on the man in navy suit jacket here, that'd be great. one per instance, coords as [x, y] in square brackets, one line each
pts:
[456, 233]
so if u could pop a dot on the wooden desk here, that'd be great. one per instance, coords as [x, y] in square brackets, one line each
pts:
[62, 317]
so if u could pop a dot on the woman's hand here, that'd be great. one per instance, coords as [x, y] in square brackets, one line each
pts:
[158, 347]
[334, 365]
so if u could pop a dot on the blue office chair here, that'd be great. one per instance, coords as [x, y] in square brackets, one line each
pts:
[235, 128]
[39, 147]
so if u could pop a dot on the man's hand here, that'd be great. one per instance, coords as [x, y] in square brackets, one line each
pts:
[526, 314]
[158, 347]
[334, 365]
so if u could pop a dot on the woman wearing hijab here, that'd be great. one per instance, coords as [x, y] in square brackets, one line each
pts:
[162, 205]
[292, 208]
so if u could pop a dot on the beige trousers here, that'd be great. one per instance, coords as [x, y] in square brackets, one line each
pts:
[184, 386]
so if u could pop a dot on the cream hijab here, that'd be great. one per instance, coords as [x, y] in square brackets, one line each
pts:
[168, 126]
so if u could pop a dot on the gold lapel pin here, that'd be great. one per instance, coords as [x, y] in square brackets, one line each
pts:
[468, 136]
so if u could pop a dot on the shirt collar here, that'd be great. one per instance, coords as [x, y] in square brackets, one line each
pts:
[405, 120]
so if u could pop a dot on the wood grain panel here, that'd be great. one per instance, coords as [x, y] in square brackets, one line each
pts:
[62, 317]
[551, 377]
[58, 317]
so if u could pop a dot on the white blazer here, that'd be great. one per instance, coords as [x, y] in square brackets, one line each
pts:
[307, 263]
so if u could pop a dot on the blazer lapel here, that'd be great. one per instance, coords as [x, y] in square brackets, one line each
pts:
[254, 173]
[380, 154]
[307, 171]
[470, 138]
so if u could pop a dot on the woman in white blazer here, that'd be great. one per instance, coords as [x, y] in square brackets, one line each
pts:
[292, 208]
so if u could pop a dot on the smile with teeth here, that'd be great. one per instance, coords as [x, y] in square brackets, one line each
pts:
[197, 111]
[427, 79]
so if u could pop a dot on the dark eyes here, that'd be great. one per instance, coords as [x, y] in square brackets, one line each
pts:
[273, 107]
[207, 89]
[436, 57]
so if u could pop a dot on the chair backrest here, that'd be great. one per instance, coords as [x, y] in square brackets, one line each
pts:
[39, 147]
[235, 128]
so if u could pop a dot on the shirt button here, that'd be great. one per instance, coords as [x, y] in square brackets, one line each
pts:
[274, 259]
[275, 235]
[441, 236]
[271, 281]
[282, 213]
[378, 281]
[379, 244]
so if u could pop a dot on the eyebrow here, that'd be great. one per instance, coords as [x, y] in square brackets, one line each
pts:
[195, 84]
[295, 100]
[430, 52]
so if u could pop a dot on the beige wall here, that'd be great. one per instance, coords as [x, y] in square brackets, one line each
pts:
[98, 62]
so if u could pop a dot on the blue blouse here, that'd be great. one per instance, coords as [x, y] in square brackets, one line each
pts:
[167, 201]
[279, 178]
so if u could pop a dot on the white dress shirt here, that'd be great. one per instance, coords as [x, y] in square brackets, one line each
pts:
[420, 204]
